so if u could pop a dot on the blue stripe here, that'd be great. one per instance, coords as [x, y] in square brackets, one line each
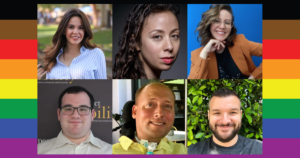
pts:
[90, 64]
[18, 128]
[281, 128]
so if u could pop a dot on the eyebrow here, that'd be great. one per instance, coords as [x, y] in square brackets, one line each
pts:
[156, 99]
[74, 25]
[69, 105]
[161, 31]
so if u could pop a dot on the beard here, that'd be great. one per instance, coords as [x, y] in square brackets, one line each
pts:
[236, 129]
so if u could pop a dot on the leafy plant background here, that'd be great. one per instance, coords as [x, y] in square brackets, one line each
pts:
[199, 93]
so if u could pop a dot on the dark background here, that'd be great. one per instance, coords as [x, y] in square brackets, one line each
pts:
[48, 93]
[179, 68]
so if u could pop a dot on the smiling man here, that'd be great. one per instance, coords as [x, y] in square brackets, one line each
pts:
[75, 113]
[225, 116]
[154, 115]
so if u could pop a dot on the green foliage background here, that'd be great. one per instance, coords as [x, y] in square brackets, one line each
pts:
[199, 93]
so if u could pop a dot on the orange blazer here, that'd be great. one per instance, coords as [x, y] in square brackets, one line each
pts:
[241, 53]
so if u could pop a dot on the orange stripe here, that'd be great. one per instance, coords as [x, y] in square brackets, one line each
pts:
[18, 69]
[281, 68]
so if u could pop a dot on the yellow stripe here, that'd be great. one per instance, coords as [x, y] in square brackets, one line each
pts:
[281, 88]
[18, 88]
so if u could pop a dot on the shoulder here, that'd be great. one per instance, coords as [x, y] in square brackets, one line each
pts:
[178, 148]
[105, 147]
[255, 145]
[198, 148]
[46, 146]
[94, 52]
[240, 39]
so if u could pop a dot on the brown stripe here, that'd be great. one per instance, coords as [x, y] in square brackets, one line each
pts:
[18, 29]
[281, 29]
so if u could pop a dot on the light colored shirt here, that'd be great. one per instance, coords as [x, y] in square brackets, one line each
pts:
[127, 146]
[90, 64]
[62, 145]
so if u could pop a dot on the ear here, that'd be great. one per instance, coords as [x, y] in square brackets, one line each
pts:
[93, 114]
[137, 47]
[134, 110]
[58, 114]
[208, 114]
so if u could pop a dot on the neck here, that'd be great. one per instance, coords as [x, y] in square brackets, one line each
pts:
[149, 140]
[77, 140]
[72, 49]
[226, 144]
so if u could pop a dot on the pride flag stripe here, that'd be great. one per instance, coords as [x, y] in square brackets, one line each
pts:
[18, 89]
[281, 88]
[281, 68]
[18, 128]
[18, 49]
[281, 29]
[18, 69]
[281, 108]
[18, 29]
[18, 108]
[281, 128]
[281, 49]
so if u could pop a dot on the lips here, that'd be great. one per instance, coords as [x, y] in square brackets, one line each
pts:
[158, 123]
[74, 122]
[75, 37]
[220, 32]
[167, 60]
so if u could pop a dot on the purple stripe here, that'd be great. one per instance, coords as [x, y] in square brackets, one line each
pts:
[283, 148]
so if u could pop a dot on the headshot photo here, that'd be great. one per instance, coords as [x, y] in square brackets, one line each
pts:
[225, 116]
[74, 117]
[149, 117]
[74, 41]
[224, 41]
[149, 41]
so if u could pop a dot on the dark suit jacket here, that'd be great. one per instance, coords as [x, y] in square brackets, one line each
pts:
[241, 53]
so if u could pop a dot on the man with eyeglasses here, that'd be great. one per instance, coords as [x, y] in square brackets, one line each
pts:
[75, 113]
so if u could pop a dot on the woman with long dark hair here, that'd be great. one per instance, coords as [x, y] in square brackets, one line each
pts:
[71, 55]
[224, 55]
[150, 42]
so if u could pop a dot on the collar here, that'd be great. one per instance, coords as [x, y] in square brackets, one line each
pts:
[61, 140]
[127, 142]
[82, 51]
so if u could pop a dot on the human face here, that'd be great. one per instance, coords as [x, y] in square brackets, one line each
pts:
[75, 126]
[160, 41]
[222, 31]
[154, 112]
[74, 31]
[225, 117]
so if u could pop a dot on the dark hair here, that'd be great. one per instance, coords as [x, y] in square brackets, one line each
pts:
[224, 92]
[127, 63]
[75, 90]
[203, 27]
[59, 39]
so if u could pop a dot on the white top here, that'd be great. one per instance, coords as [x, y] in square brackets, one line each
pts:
[62, 145]
[90, 64]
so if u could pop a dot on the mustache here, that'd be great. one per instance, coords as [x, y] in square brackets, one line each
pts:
[228, 124]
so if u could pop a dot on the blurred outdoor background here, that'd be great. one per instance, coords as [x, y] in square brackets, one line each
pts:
[99, 15]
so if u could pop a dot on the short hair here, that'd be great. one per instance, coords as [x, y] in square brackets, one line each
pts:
[75, 90]
[137, 93]
[203, 27]
[224, 92]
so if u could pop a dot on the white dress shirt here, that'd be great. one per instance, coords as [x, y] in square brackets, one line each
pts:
[90, 64]
[62, 145]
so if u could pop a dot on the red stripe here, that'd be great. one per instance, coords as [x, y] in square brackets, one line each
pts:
[281, 49]
[18, 49]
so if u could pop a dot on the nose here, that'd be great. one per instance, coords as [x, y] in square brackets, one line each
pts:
[225, 119]
[75, 113]
[158, 113]
[168, 45]
[222, 25]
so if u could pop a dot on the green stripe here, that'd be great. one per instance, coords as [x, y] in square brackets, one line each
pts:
[281, 108]
[18, 108]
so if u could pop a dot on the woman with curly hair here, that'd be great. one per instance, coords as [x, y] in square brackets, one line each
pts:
[71, 55]
[149, 43]
[224, 53]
